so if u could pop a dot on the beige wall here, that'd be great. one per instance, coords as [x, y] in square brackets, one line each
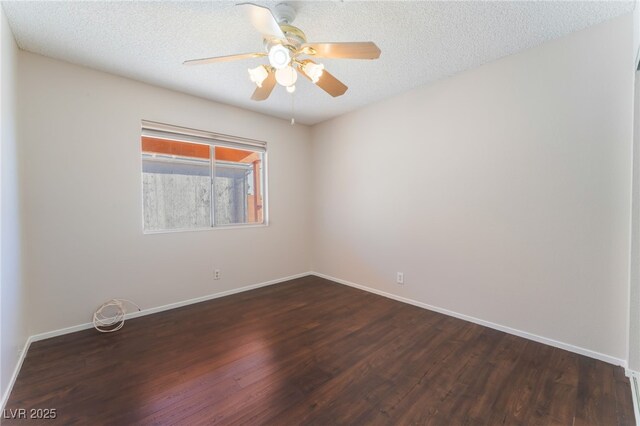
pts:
[634, 296]
[502, 193]
[13, 313]
[80, 137]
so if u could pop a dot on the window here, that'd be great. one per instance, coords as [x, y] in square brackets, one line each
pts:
[193, 179]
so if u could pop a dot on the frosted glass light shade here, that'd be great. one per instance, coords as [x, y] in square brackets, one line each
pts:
[286, 76]
[314, 71]
[258, 75]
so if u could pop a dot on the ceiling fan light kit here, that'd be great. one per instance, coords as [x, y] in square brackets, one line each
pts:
[285, 47]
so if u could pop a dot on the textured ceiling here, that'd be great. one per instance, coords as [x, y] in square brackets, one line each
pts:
[420, 41]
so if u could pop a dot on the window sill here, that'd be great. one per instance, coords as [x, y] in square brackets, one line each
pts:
[211, 228]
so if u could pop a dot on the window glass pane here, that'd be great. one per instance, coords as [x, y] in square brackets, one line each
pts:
[239, 186]
[176, 184]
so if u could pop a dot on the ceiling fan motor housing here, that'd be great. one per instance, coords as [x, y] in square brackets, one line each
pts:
[295, 38]
[285, 15]
[294, 35]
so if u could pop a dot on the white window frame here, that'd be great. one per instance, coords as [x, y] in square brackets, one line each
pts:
[185, 134]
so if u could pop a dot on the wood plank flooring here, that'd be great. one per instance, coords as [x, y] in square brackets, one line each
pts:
[313, 352]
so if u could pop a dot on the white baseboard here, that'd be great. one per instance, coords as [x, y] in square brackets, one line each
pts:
[149, 311]
[14, 376]
[634, 380]
[566, 346]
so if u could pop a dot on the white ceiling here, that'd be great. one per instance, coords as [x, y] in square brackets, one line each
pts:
[420, 41]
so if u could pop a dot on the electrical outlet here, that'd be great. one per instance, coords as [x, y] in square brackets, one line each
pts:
[400, 278]
[216, 274]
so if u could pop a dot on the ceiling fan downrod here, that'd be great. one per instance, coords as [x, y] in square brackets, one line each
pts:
[284, 13]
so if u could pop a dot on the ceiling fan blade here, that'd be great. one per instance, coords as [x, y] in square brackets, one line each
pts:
[262, 93]
[326, 82]
[350, 50]
[263, 20]
[223, 58]
[331, 85]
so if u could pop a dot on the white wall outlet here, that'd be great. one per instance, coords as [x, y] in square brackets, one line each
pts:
[400, 278]
[216, 274]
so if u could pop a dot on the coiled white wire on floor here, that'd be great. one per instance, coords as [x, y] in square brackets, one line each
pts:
[110, 315]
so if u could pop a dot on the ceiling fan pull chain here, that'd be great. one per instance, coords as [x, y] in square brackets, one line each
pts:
[293, 120]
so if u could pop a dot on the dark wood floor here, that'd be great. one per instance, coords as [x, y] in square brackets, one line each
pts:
[310, 351]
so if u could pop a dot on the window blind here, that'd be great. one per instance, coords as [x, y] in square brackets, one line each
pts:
[154, 129]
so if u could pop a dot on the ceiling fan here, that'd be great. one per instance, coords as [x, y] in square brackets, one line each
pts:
[289, 53]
